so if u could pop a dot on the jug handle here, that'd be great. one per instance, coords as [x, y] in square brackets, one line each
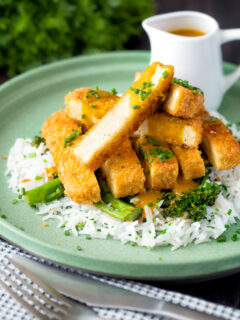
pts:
[227, 36]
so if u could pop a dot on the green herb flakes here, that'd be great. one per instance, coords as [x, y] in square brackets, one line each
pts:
[32, 155]
[93, 93]
[88, 237]
[79, 248]
[229, 212]
[165, 74]
[67, 233]
[93, 106]
[221, 238]
[114, 91]
[147, 85]
[3, 216]
[234, 237]
[14, 201]
[150, 204]
[136, 107]
[72, 136]
[186, 84]
[83, 116]
[37, 140]
[38, 177]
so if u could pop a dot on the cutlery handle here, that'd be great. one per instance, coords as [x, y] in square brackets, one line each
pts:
[178, 312]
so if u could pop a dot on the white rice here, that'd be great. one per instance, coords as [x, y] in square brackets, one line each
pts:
[91, 221]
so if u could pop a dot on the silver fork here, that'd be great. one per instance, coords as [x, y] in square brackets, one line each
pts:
[30, 293]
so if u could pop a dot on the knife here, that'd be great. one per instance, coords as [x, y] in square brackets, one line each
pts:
[97, 294]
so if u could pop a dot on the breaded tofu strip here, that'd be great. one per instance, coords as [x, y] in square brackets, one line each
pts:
[79, 182]
[190, 162]
[222, 149]
[182, 102]
[89, 106]
[160, 164]
[124, 173]
[124, 118]
[173, 130]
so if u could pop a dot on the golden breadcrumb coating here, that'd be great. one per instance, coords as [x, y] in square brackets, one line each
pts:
[182, 102]
[125, 117]
[89, 106]
[190, 162]
[173, 130]
[161, 173]
[222, 149]
[123, 172]
[79, 182]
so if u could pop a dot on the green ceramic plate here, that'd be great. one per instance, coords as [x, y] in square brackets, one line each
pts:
[25, 103]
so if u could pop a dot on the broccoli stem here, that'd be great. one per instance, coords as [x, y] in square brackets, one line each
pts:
[119, 209]
[49, 191]
[54, 189]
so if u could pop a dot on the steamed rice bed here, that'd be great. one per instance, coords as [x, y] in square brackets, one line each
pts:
[25, 162]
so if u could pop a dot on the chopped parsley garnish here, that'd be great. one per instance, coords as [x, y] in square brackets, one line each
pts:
[97, 87]
[93, 93]
[37, 140]
[67, 233]
[226, 226]
[221, 239]
[93, 106]
[143, 94]
[32, 155]
[191, 202]
[161, 154]
[88, 237]
[79, 248]
[83, 116]
[138, 162]
[79, 226]
[185, 84]
[147, 85]
[73, 135]
[154, 142]
[14, 201]
[165, 74]
[107, 94]
[229, 212]
[3, 216]
[238, 231]
[150, 204]
[164, 231]
[38, 177]
[114, 91]
[136, 107]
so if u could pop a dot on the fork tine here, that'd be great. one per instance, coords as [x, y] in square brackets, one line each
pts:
[42, 284]
[59, 307]
[15, 285]
[23, 302]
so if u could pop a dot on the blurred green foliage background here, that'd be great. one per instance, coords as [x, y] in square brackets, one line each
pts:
[36, 32]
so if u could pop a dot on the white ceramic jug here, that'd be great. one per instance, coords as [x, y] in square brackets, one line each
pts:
[196, 59]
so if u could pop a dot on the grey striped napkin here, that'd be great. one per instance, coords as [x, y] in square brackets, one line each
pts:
[11, 310]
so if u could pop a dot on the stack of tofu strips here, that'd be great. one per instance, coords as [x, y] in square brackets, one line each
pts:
[146, 138]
